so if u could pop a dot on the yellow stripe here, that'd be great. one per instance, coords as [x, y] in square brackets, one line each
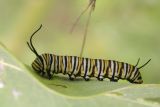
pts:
[78, 68]
[119, 67]
[47, 57]
[62, 66]
[35, 66]
[68, 64]
[110, 70]
[55, 63]
[106, 66]
[90, 66]
[96, 69]
[91, 70]
[82, 67]
[59, 65]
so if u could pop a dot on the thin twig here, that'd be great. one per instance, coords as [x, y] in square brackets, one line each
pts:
[86, 27]
[78, 18]
[85, 33]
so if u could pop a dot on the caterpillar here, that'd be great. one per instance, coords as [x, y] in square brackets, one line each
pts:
[49, 64]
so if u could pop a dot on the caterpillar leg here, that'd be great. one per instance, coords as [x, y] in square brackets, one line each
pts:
[71, 77]
[42, 73]
[100, 78]
[49, 76]
[86, 78]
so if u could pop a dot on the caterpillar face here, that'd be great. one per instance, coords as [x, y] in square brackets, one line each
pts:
[138, 78]
[37, 65]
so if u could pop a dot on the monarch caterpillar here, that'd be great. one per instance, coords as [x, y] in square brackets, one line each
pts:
[48, 64]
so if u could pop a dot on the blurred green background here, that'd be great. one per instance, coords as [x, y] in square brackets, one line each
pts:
[122, 30]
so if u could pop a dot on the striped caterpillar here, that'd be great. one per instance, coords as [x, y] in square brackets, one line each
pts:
[49, 64]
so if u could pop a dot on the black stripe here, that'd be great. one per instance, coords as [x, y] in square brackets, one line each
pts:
[90, 67]
[83, 65]
[70, 62]
[95, 66]
[114, 69]
[103, 66]
[109, 67]
[65, 59]
[86, 67]
[50, 62]
[57, 64]
[100, 67]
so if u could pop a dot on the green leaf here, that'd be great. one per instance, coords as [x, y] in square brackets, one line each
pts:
[21, 86]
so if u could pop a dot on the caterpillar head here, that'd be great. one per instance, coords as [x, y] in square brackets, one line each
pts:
[136, 75]
[38, 65]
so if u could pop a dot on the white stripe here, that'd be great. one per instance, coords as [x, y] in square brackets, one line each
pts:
[116, 70]
[128, 71]
[112, 67]
[88, 67]
[76, 63]
[98, 66]
[84, 65]
[52, 65]
[101, 74]
[56, 64]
